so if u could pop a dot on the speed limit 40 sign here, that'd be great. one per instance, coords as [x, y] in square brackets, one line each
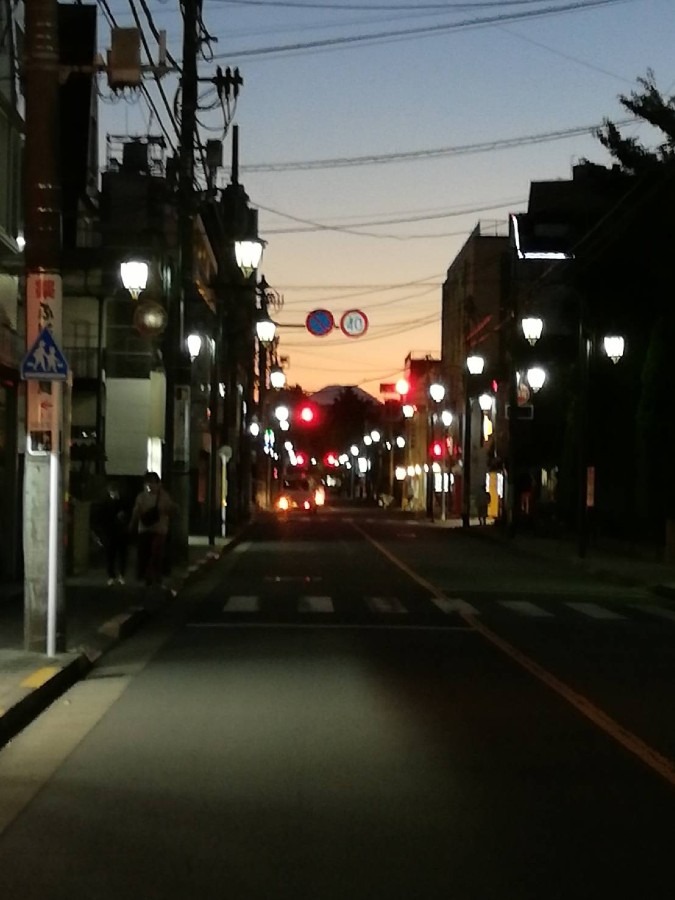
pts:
[354, 323]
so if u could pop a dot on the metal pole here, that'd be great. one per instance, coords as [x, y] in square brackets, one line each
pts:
[262, 392]
[511, 333]
[466, 475]
[213, 505]
[43, 545]
[429, 473]
[582, 487]
[177, 419]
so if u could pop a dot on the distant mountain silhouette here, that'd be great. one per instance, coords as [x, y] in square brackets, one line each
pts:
[327, 395]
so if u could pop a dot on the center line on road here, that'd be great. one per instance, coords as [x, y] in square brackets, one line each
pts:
[656, 761]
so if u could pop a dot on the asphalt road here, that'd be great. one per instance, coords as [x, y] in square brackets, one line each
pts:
[356, 706]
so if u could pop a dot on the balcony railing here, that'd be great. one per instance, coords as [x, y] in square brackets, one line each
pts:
[83, 361]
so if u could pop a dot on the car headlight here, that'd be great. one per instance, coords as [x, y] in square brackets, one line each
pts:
[282, 503]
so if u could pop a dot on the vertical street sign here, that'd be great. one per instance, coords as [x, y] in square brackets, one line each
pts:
[44, 478]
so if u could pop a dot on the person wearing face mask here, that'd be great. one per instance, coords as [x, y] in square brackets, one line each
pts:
[151, 515]
[111, 520]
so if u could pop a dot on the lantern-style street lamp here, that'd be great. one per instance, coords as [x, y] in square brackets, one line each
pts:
[134, 274]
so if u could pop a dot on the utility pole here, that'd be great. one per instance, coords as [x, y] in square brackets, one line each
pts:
[44, 602]
[176, 468]
[240, 222]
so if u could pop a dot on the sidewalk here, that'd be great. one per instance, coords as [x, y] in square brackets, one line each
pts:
[98, 617]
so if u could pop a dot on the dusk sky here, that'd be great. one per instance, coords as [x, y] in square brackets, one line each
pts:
[458, 77]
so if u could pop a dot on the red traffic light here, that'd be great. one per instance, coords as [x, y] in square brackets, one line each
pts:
[330, 459]
[300, 459]
[436, 450]
[306, 413]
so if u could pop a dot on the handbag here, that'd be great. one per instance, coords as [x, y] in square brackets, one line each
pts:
[151, 516]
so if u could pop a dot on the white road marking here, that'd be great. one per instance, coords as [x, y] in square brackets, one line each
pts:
[316, 604]
[593, 611]
[525, 608]
[449, 606]
[242, 603]
[386, 606]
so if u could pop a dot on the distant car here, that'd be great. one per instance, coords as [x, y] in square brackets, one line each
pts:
[300, 493]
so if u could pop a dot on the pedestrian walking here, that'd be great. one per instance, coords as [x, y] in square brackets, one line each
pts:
[111, 526]
[151, 515]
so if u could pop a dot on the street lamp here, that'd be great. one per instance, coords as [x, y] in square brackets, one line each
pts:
[248, 253]
[277, 377]
[475, 365]
[614, 346]
[532, 327]
[134, 273]
[194, 345]
[436, 393]
[485, 402]
[536, 377]
[265, 329]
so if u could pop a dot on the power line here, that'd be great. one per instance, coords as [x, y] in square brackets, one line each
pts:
[107, 12]
[385, 7]
[148, 54]
[434, 153]
[421, 31]
[355, 228]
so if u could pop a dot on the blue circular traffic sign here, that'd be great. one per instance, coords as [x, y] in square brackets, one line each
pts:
[320, 322]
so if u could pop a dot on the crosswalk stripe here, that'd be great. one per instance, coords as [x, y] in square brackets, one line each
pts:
[386, 605]
[242, 603]
[525, 608]
[593, 611]
[392, 606]
[316, 604]
[450, 606]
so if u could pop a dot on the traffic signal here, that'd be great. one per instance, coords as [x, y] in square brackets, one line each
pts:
[330, 458]
[306, 414]
[436, 449]
[300, 459]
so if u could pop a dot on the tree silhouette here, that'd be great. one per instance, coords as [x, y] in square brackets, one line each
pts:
[650, 105]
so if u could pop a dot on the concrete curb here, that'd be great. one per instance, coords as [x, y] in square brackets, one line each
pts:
[28, 707]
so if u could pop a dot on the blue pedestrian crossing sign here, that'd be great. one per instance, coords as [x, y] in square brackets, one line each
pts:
[44, 361]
